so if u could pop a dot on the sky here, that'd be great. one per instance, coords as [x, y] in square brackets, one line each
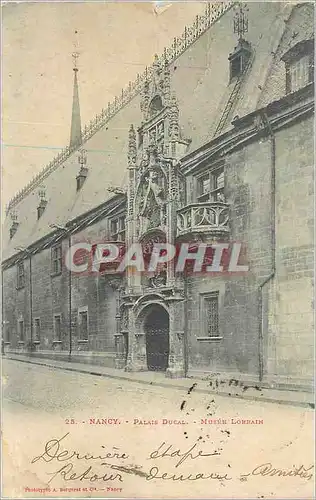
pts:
[116, 41]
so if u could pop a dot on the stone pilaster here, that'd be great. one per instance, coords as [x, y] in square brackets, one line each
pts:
[141, 355]
[136, 358]
[119, 350]
[176, 367]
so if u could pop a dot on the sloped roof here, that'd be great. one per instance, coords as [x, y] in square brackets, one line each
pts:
[299, 28]
[199, 77]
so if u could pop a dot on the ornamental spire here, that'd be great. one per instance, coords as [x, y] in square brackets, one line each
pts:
[241, 20]
[75, 132]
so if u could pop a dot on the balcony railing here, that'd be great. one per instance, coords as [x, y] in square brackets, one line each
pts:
[207, 217]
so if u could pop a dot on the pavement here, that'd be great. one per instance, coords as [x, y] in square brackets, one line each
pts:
[241, 391]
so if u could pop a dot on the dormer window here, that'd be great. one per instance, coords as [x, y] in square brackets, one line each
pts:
[13, 229]
[83, 172]
[299, 66]
[40, 209]
[81, 177]
[299, 74]
[42, 203]
[235, 67]
[239, 59]
[14, 225]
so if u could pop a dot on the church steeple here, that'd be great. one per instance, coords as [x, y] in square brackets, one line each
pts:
[75, 133]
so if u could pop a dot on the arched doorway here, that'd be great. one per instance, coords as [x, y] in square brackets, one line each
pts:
[156, 327]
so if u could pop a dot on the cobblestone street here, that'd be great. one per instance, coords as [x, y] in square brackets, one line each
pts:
[128, 422]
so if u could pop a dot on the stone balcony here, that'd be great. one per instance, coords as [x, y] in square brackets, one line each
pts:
[211, 218]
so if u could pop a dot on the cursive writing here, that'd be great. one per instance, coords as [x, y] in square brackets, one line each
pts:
[56, 452]
[166, 450]
[267, 469]
[192, 453]
[68, 474]
[154, 473]
[52, 452]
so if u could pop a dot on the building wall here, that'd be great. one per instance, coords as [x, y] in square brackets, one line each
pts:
[16, 306]
[49, 299]
[248, 191]
[290, 345]
[287, 306]
[50, 296]
[95, 293]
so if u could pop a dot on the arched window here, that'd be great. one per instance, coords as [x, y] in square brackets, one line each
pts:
[155, 106]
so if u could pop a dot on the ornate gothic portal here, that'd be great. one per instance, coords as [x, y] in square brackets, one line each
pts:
[156, 191]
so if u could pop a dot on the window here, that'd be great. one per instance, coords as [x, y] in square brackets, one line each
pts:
[299, 74]
[21, 330]
[81, 177]
[156, 133]
[20, 275]
[299, 66]
[83, 325]
[80, 180]
[57, 259]
[236, 67]
[210, 314]
[13, 229]
[155, 106]
[211, 186]
[40, 211]
[117, 229]
[37, 330]
[41, 208]
[239, 59]
[57, 327]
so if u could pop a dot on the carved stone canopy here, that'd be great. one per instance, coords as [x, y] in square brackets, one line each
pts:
[156, 92]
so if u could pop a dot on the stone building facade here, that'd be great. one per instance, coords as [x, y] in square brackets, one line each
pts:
[213, 144]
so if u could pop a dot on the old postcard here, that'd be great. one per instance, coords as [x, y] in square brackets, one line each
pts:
[158, 250]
